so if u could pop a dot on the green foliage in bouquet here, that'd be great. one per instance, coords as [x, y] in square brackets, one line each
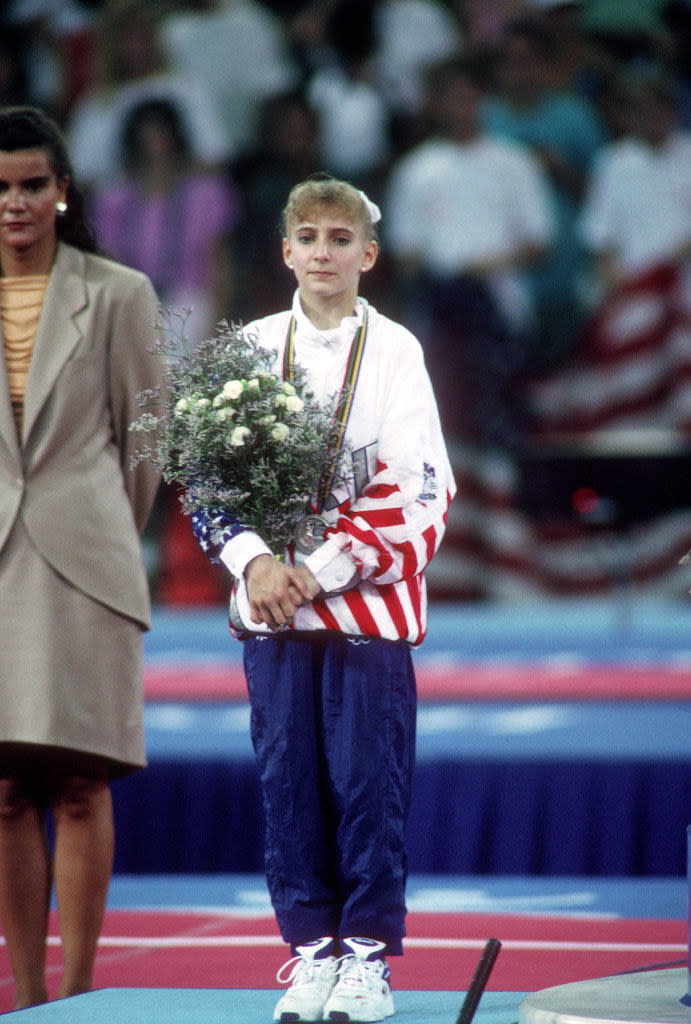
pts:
[236, 436]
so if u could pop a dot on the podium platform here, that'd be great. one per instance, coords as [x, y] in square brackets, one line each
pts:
[645, 997]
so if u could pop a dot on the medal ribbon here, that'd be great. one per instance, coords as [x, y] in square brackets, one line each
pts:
[347, 393]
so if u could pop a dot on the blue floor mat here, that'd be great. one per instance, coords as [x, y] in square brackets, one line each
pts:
[243, 1006]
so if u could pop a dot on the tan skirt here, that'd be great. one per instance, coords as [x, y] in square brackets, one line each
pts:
[70, 671]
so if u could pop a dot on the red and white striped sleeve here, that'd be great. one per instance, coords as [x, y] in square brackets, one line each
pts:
[394, 526]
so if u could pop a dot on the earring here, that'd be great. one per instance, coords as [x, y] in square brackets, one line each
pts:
[61, 207]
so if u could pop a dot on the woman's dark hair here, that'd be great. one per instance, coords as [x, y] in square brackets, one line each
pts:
[31, 128]
[155, 111]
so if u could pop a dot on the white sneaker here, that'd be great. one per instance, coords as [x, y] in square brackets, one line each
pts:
[363, 993]
[311, 979]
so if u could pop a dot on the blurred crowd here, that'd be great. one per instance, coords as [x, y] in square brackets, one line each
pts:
[531, 158]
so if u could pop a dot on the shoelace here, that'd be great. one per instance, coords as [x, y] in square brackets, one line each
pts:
[301, 970]
[355, 971]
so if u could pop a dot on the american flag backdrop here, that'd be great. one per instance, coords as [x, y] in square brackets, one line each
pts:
[600, 497]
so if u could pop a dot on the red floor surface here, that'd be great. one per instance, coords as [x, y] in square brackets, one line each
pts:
[141, 949]
[457, 681]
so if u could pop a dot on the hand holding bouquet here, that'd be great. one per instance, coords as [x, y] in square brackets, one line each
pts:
[237, 436]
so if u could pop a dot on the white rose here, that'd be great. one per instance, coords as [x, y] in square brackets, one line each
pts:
[280, 402]
[294, 404]
[253, 384]
[225, 414]
[287, 388]
[280, 432]
[237, 438]
[267, 420]
[232, 389]
[202, 403]
[182, 405]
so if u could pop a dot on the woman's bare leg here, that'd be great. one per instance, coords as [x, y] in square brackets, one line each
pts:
[83, 862]
[24, 889]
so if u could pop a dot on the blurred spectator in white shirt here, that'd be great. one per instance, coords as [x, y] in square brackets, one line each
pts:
[354, 119]
[239, 50]
[411, 35]
[465, 214]
[637, 212]
[131, 68]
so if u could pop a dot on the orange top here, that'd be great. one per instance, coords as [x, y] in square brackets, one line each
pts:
[21, 301]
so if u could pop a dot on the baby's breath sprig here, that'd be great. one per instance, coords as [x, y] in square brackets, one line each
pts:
[235, 435]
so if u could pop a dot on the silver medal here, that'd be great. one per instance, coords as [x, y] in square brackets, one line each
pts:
[309, 533]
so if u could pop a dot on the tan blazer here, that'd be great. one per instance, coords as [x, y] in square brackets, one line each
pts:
[68, 478]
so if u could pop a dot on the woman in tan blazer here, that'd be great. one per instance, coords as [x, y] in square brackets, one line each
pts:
[76, 336]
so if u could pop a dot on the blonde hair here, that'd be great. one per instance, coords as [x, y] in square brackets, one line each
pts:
[329, 193]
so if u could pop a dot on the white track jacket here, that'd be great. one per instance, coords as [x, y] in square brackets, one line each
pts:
[387, 520]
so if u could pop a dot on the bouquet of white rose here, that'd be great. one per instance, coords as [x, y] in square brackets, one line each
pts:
[237, 436]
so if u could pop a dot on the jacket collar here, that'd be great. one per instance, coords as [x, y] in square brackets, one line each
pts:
[335, 337]
[58, 333]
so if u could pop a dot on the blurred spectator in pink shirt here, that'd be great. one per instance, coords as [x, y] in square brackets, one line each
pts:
[131, 67]
[170, 219]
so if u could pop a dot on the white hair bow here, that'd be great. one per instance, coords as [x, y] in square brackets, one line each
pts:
[372, 208]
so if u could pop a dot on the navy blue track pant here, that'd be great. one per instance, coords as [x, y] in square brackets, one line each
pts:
[333, 728]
